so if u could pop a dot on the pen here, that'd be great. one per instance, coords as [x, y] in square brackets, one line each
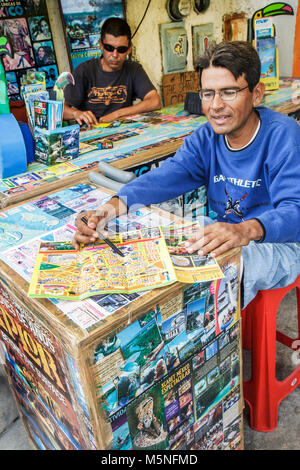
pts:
[108, 242]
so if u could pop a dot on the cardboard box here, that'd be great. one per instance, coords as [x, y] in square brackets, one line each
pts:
[155, 370]
[56, 146]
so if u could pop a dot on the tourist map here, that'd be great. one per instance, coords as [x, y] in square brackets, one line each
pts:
[154, 257]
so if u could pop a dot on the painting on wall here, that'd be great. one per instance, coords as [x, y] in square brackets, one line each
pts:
[83, 20]
[25, 25]
[202, 35]
[235, 27]
[174, 46]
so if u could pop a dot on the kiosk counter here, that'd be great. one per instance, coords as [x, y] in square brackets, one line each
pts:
[157, 369]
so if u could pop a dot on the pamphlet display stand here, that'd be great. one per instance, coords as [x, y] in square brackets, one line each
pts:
[265, 43]
[154, 370]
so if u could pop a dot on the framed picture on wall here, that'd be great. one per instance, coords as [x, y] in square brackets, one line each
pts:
[235, 27]
[82, 20]
[25, 24]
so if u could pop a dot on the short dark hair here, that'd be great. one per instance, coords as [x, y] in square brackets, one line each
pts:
[116, 27]
[239, 57]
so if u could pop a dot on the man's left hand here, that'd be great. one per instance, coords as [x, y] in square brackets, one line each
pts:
[110, 117]
[222, 236]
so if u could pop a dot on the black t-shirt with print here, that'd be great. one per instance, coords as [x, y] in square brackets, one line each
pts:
[104, 92]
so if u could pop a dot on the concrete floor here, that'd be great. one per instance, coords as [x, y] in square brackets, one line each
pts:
[287, 434]
[285, 437]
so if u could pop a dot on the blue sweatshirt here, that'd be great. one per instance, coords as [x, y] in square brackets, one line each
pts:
[261, 181]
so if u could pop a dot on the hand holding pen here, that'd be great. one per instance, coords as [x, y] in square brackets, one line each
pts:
[86, 233]
[96, 220]
[106, 240]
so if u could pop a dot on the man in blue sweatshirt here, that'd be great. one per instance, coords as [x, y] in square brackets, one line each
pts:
[249, 159]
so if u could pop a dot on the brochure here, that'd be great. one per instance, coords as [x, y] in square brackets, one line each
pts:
[30, 98]
[48, 114]
[154, 257]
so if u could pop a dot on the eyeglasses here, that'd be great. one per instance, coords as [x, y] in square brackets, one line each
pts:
[120, 49]
[228, 94]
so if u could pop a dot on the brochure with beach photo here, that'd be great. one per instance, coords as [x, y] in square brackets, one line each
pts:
[154, 257]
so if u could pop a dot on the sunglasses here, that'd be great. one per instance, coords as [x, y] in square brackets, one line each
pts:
[120, 49]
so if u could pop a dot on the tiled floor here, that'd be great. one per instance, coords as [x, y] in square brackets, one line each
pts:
[285, 437]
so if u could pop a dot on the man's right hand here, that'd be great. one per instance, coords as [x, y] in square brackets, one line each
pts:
[85, 117]
[86, 232]
[82, 117]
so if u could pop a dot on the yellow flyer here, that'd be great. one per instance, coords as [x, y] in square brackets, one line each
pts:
[152, 259]
[62, 168]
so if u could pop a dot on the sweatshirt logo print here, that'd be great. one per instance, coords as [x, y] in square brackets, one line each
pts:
[110, 94]
[233, 207]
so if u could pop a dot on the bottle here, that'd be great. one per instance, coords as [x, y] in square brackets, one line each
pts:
[4, 103]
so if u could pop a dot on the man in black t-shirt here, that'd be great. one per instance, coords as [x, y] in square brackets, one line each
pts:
[105, 88]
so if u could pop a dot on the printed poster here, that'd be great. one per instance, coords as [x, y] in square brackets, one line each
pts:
[83, 20]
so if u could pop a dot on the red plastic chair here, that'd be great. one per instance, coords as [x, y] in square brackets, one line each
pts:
[263, 392]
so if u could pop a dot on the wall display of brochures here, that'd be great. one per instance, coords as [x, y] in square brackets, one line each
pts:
[26, 26]
[268, 53]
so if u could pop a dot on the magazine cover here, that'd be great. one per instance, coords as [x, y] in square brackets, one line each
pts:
[40, 114]
[265, 43]
[189, 267]
[146, 421]
[221, 373]
[178, 403]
